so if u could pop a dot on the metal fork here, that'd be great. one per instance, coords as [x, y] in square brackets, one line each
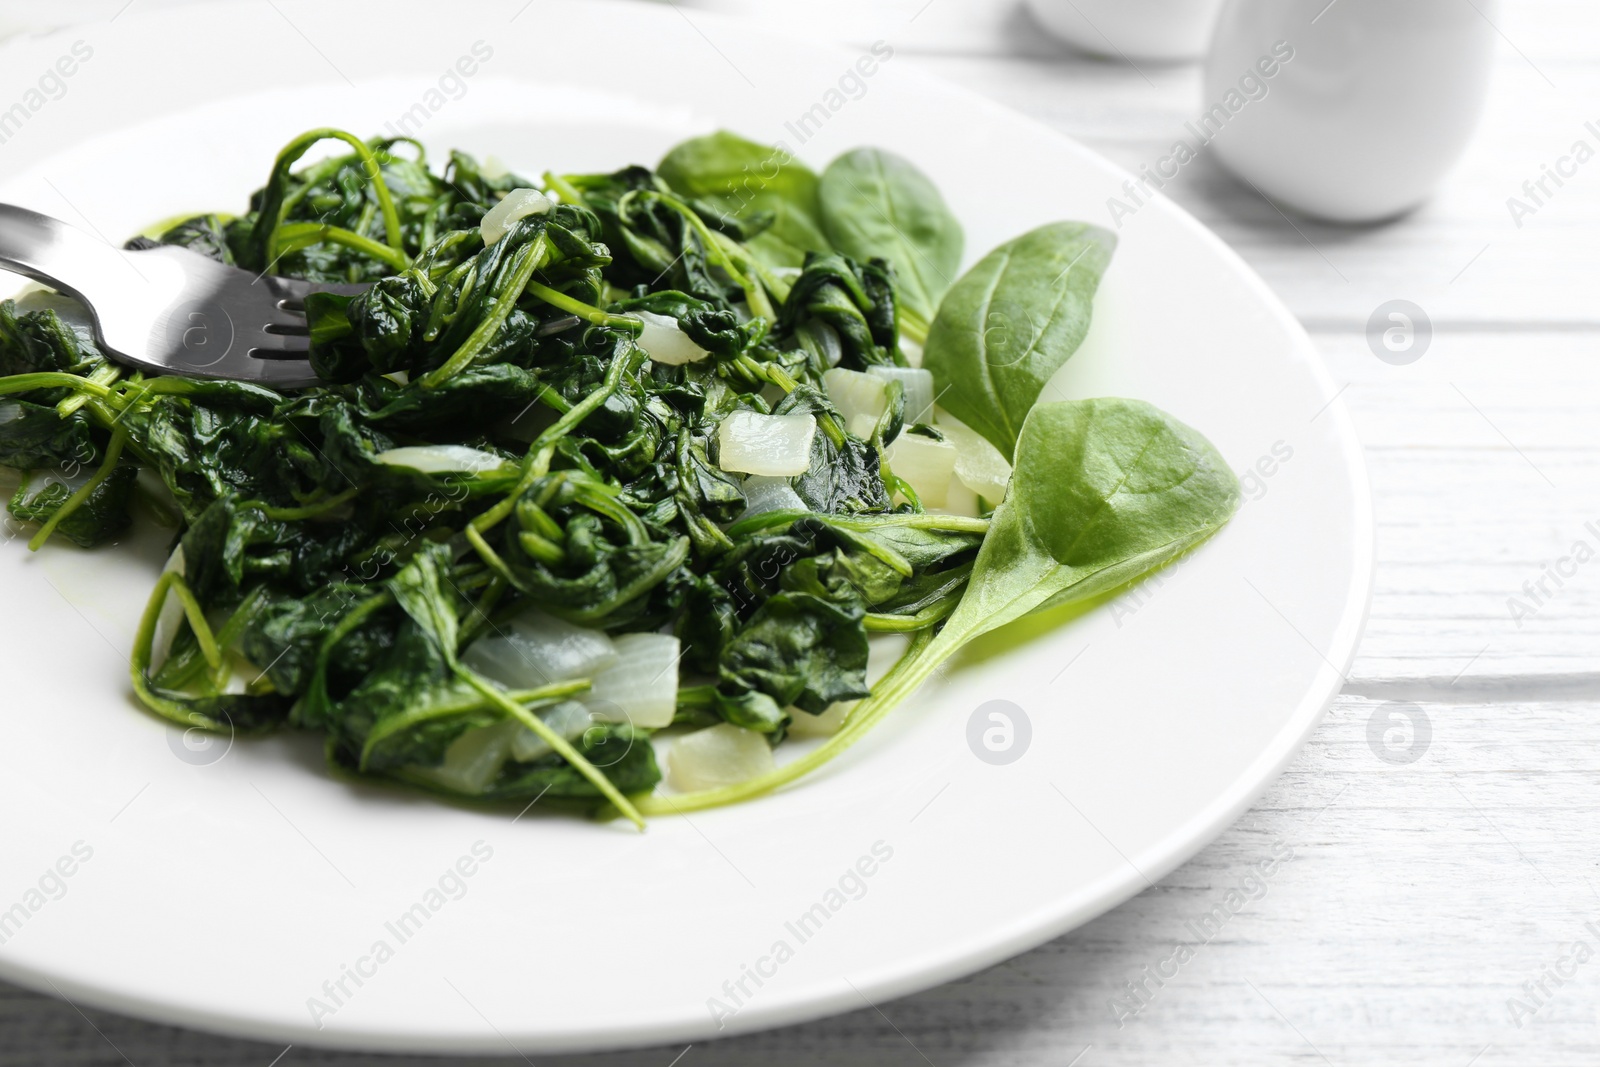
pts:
[169, 310]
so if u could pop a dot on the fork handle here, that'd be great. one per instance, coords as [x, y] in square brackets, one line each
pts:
[61, 256]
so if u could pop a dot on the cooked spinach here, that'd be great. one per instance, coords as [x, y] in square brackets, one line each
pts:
[513, 491]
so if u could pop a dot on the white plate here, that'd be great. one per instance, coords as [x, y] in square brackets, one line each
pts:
[225, 894]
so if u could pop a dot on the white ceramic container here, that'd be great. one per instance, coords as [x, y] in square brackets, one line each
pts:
[1376, 104]
[1162, 30]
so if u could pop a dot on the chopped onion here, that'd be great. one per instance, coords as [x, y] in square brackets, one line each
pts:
[171, 616]
[958, 499]
[720, 755]
[641, 687]
[442, 459]
[474, 759]
[911, 350]
[569, 719]
[804, 724]
[536, 649]
[979, 465]
[750, 443]
[918, 385]
[860, 398]
[925, 463]
[664, 341]
[764, 493]
[517, 204]
[862, 426]
[493, 167]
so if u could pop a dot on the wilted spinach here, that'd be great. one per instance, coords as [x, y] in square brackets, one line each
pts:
[496, 436]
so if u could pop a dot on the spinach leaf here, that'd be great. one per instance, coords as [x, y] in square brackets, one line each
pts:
[798, 649]
[1103, 492]
[745, 178]
[856, 301]
[877, 204]
[1011, 322]
[35, 435]
[102, 517]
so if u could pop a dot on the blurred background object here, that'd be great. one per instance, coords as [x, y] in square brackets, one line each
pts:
[1374, 101]
[1161, 30]
[31, 16]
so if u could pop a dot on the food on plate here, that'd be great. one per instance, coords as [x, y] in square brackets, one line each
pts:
[602, 461]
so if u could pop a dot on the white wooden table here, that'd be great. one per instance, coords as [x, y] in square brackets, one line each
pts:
[1422, 895]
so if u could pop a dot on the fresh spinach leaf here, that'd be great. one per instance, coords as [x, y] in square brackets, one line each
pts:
[745, 178]
[1011, 322]
[877, 204]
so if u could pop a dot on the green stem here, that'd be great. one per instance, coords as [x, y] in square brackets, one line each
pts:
[274, 206]
[113, 453]
[489, 555]
[900, 624]
[144, 640]
[105, 374]
[298, 235]
[568, 192]
[538, 457]
[529, 258]
[587, 312]
[306, 511]
[560, 744]
[27, 383]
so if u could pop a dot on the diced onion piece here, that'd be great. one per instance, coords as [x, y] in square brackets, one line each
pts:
[911, 350]
[664, 341]
[442, 459]
[474, 759]
[517, 204]
[720, 755]
[918, 385]
[804, 724]
[493, 167]
[536, 649]
[861, 426]
[750, 443]
[171, 616]
[764, 493]
[958, 499]
[641, 687]
[979, 464]
[860, 398]
[569, 719]
[925, 463]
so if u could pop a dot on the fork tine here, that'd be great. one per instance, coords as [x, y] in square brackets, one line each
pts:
[279, 345]
[294, 289]
[283, 373]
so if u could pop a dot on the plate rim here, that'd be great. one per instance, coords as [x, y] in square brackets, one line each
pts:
[947, 961]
